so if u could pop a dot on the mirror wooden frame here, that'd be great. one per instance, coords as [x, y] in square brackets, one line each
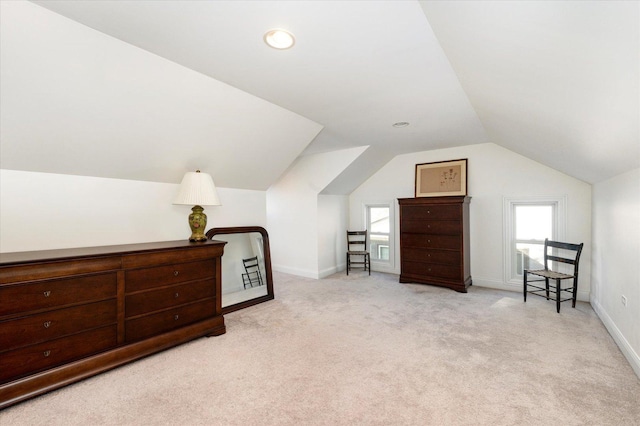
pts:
[213, 232]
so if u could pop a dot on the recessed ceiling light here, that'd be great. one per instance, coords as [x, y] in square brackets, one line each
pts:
[401, 124]
[279, 39]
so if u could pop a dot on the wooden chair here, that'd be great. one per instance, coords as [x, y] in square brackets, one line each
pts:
[357, 246]
[570, 255]
[252, 273]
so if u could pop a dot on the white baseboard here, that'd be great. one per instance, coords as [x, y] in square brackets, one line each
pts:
[307, 273]
[375, 267]
[296, 271]
[618, 337]
[498, 285]
[329, 271]
[385, 269]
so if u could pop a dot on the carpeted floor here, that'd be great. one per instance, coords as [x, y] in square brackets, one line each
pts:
[368, 351]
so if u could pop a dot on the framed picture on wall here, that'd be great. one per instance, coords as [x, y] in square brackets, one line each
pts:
[441, 179]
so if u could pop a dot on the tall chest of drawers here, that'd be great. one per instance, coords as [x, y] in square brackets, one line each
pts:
[69, 314]
[434, 241]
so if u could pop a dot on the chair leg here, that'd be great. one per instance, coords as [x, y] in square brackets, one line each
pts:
[575, 292]
[369, 263]
[546, 283]
[558, 295]
[348, 265]
[524, 286]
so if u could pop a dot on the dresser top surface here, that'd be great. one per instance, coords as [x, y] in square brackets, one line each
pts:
[434, 200]
[80, 252]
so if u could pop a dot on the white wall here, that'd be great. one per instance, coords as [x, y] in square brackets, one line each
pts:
[616, 260]
[40, 211]
[493, 173]
[291, 221]
[293, 211]
[333, 221]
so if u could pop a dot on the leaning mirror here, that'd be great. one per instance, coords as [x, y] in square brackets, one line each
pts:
[246, 266]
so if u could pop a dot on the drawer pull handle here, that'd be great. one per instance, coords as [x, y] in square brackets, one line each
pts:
[47, 324]
[46, 353]
[177, 295]
[176, 317]
[47, 293]
[175, 273]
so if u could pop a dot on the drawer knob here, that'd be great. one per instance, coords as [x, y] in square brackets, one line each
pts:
[429, 269]
[428, 241]
[46, 353]
[175, 273]
[176, 317]
[428, 211]
[428, 226]
[47, 324]
[47, 293]
[177, 295]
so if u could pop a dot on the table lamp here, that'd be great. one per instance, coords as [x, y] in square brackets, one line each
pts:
[197, 189]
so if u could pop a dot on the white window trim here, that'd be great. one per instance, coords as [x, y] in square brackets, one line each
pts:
[382, 265]
[509, 203]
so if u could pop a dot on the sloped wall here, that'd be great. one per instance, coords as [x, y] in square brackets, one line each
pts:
[77, 101]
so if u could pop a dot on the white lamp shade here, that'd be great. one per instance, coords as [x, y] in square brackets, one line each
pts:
[197, 189]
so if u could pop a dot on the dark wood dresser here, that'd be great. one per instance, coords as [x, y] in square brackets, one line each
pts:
[434, 241]
[69, 314]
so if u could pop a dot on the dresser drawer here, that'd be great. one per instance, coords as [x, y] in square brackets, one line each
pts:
[20, 298]
[431, 212]
[155, 300]
[438, 227]
[20, 362]
[161, 322]
[431, 241]
[195, 252]
[142, 279]
[447, 257]
[58, 269]
[434, 270]
[55, 324]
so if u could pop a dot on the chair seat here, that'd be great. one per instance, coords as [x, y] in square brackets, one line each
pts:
[550, 274]
[358, 253]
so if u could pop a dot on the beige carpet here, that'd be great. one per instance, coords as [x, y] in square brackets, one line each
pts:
[368, 351]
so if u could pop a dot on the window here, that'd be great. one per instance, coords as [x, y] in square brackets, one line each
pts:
[527, 223]
[379, 222]
[383, 252]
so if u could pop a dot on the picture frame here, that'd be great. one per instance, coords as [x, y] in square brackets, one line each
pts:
[441, 179]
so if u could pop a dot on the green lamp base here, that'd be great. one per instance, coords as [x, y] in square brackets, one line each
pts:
[198, 223]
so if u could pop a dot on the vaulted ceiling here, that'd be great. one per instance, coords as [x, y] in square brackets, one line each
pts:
[555, 81]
